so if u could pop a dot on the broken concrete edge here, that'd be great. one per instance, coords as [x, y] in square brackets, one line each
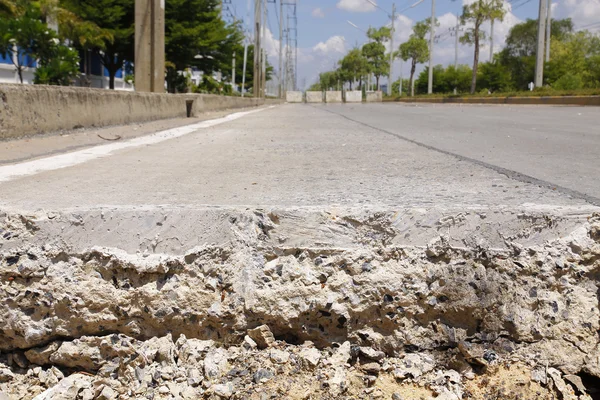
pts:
[136, 229]
[27, 110]
[443, 314]
[542, 100]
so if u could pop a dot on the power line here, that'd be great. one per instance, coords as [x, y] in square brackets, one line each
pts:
[520, 5]
[277, 16]
[589, 25]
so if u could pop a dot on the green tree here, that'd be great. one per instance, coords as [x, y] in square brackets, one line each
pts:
[518, 56]
[593, 66]
[422, 28]
[439, 83]
[25, 37]
[415, 49]
[379, 35]
[458, 78]
[476, 14]
[59, 68]
[8, 8]
[239, 66]
[195, 28]
[353, 66]
[329, 80]
[116, 19]
[570, 61]
[494, 76]
[374, 52]
[379, 64]
[405, 87]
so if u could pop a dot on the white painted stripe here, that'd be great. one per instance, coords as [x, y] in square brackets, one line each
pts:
[10, 172]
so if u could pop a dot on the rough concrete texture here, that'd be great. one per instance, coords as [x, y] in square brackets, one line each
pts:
[33, 109]
[407, 314]
[374, 97]
[307, 256]
[294, 97]
[333, 97]
[314, 97]
[354, 96]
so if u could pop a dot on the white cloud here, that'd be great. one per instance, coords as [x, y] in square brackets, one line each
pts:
[355, 5]
[402, 30]
[335, 44]
[318, 13]
[583, 12]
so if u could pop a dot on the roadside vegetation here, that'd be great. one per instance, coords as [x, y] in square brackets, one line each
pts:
[195, 36]
[573, 69]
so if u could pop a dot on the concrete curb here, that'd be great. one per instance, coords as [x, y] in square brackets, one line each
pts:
[543, 100]
[34, 109]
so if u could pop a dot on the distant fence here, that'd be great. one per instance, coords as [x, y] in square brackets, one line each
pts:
[333, 96]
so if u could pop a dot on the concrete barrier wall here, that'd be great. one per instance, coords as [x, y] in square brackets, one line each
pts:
[294, 97]
[354, 96]
[548, 100]
[314, 97]
[333, 97]
[374, 97]
[32, 109]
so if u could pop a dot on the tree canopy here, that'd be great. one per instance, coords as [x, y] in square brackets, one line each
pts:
[473, 16]
[416, 48]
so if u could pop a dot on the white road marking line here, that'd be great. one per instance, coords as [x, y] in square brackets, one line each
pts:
[10, 172]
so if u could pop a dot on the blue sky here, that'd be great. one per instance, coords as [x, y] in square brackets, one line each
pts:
[324, 34]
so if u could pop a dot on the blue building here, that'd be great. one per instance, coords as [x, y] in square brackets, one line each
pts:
[97, 78]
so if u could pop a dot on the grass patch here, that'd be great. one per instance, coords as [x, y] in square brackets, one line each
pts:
[535, 93]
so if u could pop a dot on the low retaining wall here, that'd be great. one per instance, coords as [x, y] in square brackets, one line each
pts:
[374, 97]
[333, 97]
[354, 96]
[32, 109]
[294, 97]
[548, 100]
[314, 97]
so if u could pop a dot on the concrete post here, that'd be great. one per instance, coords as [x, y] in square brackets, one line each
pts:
[150, 46]
[541, 36]
[431, 40]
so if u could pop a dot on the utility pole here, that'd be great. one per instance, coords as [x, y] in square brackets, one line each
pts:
[401, 79]
[233, 73]
[244, 68]
[391, 80]
[492, 40]
[150, 46]
[548, 30]
[257, 51]
[539, 59]
[264, 52]
[431, 39]
[281, 74]
[456, 42]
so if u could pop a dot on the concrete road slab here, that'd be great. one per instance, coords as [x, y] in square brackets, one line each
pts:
[291, 156]
[550, 145]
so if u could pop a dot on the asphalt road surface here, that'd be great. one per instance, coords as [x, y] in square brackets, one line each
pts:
[302, 155]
